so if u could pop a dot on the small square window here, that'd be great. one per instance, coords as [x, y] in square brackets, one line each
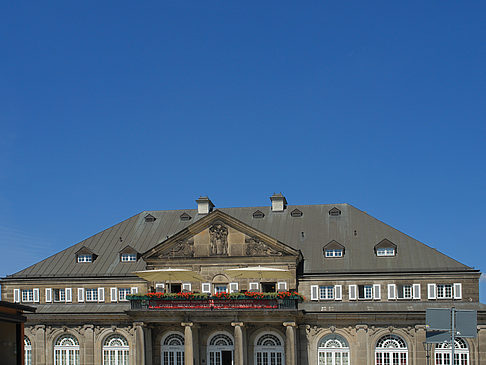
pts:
[128, 257]
[444, 291]
[85, 258]
[59, 295]
[365, 291]
[122, 294]
[337, 252]
[27, 295]
[91, 295]
[326, 292]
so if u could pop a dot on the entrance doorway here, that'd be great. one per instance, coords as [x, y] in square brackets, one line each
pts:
[220, 349]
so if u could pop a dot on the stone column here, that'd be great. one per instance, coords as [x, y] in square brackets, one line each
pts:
[188, 346]
[362, 355]
[147, 333]
[290, 343]
[39, 346]
[238, 343]
[139, 343]
[89, 345]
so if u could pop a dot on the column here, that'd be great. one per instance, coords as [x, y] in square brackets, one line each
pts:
[139, 343]
[238, 360]
[88, 332]
[188, 347]
[290, 343]
[39, 346]
[147, 334]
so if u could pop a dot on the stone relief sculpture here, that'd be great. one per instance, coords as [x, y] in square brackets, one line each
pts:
[218, 238]
[255, 247]
[180, 249]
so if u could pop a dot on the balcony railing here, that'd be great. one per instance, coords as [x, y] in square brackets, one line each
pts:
[213, 304]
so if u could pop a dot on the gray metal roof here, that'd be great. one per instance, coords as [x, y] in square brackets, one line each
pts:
[357, 231]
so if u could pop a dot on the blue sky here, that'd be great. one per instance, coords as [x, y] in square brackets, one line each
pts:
[108, 109]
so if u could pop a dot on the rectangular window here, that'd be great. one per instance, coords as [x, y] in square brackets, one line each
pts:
[220, 289]
[128, 257]
[59, 295]
[338, 252]
[365, 291]
[91, 295]
[122, 294]
[326, 292]
[444, 291]
[27, 295]
[404, 291]
[85, 258]
[385, 251]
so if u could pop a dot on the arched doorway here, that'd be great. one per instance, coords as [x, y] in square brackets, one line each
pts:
[173, 349]
[220, 349]
[66, 351]
[269, 350]
[333, 350]
[443, 353]
[115, 350]
[391, 350]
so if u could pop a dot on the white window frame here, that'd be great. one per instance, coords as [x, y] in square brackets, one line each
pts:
[254, 286]
[367, 291]
[218, 286]
[91, 294]
[385, 251]
[113, 295]
[27, 295]
[334, 252]
[128, 257]
[122, 294]
[442, 291]
[233, 287]
[85, 258]
[114, 354]
[326, 292]
[159, 287]
[281, 285]
[206, 288]
[62, 295]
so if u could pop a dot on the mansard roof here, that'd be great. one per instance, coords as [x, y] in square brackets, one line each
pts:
[353, 228]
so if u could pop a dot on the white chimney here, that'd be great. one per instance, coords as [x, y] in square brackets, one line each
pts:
[279, 203]
[204, 205]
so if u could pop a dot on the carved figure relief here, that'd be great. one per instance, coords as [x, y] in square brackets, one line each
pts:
[255, 247]
[180, 249]
[218, 238]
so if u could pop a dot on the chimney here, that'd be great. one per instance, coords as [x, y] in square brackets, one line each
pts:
[279, 203]
[204, 205]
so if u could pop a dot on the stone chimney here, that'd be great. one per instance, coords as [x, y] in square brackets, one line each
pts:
[279, 203]
[204, 205]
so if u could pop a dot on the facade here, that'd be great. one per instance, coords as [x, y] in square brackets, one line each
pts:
[366, 287]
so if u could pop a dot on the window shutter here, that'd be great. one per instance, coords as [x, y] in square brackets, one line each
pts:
[36, 295]
[101, 294]
[376, 291]
[457, 291]
[134, 290]
[282, 285]
[392, 291]
[338, 292]
[352, 292]
[16, 295]
[113, 295]
[416, 291]
[206, 287]
[69, 295]
[254, 286]
[431, 291]
[48, 295]
[233, 287]
[80, 295]
[186, 286]
[314, 292]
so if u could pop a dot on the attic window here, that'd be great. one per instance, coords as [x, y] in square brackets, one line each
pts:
[149, 218]
[336, 252]
[334, 212]
[296, 213]
[386, 249]
[258, 214]
[185, 217]
[128, 257]
[85, 258]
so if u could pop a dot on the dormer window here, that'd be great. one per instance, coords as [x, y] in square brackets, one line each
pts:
[149, 218]
[338, 252]
[128, 257]
[85, 258]
[333, 249]
[385, 251]
[85, 255]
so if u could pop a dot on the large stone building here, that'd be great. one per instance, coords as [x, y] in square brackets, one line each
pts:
[366, 288]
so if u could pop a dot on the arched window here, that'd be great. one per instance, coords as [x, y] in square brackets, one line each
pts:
[443, 353]
[173, 349]
[220, 349]
[115, 350]
[269, 350]
[333, 350]
[27, 351]
[66, 351]
[391, 350]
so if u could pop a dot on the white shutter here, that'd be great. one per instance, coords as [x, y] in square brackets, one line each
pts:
[48, 295]
[16, 295]
[457, 291]
[206, 287]
[80, 295]
[338, 292]
[69, 295]
[36, 295]
[352, 292]
[186, 286]
[282, 285]
[392, 291]
[101, 294]
[416, 291]
[134, 290]
[431, 291]
[376, 291]
[314, 292]
[254, 286]
[233, 287]
[159, 287]
[113, 294]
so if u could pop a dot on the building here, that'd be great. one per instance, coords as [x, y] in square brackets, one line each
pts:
[366, 287]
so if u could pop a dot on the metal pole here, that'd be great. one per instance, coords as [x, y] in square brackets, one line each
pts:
[453, 333]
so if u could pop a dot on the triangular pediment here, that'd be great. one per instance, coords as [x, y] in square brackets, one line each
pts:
[219, 235]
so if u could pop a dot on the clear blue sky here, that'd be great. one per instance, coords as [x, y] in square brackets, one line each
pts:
[111, 108]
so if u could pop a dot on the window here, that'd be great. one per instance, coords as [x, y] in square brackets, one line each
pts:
[218, 288]
[91, 295]
[269, 350]
[66, 351]
[333, 350]
[173, 349]
[444, 291]
[128, 257]
[326, 292]
[27, 295]
[385, 251]
[115, 350]
[220, 349]
[404, 291]
[85, 258]
[122, 294]
[27, 351]
[443, 353]
[391, 350]
[338, 252]
[59, 295]
[365, 291]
